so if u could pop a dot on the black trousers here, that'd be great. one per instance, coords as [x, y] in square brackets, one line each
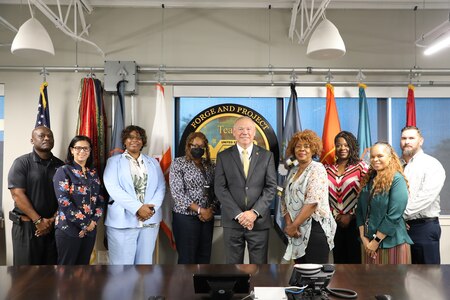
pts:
[29, 249]
[347, 247]
[193, 239]
[425, 236]
[317, 251]
[74, 250]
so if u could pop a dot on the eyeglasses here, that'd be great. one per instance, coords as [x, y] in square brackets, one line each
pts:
[79, 149]
[196, 146]
[135, 137]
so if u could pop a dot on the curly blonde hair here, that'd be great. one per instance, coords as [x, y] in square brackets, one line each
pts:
[382, 180]
[307, 136]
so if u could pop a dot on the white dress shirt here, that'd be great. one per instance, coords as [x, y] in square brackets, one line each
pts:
[249, 152]
[426, 178]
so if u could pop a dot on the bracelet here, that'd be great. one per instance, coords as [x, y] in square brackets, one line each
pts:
[198, 210]
[38, 221]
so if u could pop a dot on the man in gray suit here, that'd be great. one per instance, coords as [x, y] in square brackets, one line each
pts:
[245, 184]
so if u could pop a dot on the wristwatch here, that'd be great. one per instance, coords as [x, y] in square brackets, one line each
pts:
[377, 239]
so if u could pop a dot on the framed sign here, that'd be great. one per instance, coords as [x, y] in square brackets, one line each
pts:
[216, 123]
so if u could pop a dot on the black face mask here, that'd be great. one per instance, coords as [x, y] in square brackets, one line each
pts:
[197, 152]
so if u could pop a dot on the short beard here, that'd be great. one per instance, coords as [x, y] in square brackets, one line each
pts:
[408, 153]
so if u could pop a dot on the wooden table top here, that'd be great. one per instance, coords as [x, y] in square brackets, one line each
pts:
[415, 282]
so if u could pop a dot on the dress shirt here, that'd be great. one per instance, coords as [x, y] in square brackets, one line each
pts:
[426, 178]
[241, 155]
[249, 152]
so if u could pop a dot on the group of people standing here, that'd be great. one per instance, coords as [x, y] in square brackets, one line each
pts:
[58, 205]
[385, 212]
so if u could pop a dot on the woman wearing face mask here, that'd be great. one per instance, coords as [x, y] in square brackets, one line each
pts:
[191, 184]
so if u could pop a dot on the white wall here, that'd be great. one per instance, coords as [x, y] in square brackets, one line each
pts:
[201, 38]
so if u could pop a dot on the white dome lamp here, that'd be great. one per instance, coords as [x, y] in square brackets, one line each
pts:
[326, 42]
[32, 38]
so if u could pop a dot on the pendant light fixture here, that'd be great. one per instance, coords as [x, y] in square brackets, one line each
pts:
[326, 42]
[32, 38]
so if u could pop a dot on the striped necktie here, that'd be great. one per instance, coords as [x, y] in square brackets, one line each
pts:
[245, 161]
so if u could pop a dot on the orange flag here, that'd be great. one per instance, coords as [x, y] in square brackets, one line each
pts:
[331, 127]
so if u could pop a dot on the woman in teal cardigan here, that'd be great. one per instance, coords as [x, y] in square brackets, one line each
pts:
[379, 214]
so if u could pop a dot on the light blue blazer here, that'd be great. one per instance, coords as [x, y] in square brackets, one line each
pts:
[118, 183]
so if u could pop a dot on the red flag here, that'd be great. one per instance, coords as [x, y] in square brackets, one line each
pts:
[410, 107]
[92, 119]
[331, 127]
[160, 149]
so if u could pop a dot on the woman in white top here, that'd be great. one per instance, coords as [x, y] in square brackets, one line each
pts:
[310, 226]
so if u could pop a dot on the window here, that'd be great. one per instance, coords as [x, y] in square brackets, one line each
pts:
[312, 114]
[432, 119]
[429, 112]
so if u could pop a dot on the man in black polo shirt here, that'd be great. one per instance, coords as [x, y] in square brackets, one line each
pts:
[30, 181]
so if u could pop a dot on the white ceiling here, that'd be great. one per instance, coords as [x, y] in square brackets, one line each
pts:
[335, 4]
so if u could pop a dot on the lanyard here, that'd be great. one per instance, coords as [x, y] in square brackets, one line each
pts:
[369, 206]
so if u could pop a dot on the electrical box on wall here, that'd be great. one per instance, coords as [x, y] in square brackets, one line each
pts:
[116, 71]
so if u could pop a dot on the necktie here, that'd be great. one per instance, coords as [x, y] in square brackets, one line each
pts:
[245, 161]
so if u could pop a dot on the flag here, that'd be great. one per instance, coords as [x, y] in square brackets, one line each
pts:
[292, 120]
[43, 114]
[331, 127]
[410, 107]
[291, 126]
[119, 120]
[92, 119]
[364, 137]
[160, 149]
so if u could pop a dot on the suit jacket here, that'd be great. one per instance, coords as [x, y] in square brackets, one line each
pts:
[386, 212]
[119, 184]
[231, 187]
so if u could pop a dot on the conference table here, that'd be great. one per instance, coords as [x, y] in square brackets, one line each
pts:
[429, 282]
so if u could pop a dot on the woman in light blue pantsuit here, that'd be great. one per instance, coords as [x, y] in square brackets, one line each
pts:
[136, 187]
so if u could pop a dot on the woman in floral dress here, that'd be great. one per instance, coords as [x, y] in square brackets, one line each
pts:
[80, 204]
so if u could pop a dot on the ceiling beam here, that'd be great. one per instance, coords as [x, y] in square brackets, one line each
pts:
[340, 4]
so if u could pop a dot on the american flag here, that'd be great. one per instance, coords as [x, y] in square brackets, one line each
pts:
[43, 114]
